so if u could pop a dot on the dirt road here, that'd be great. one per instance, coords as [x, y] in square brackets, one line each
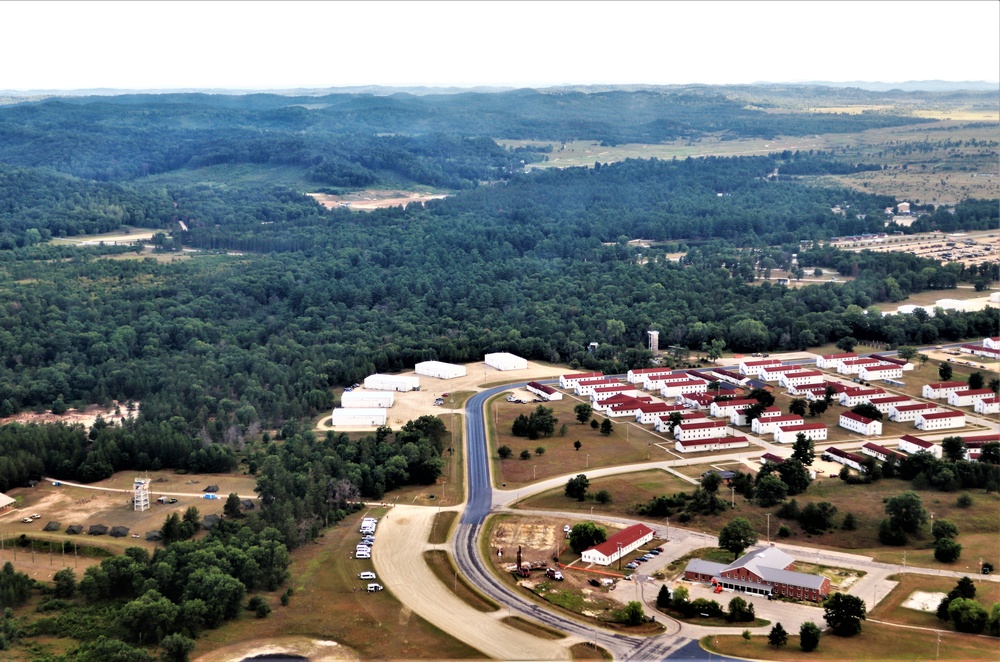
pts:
[401, 568]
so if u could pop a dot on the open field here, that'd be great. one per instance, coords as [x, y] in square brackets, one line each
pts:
[330, 603]
[100, 504]
[114, 414]
[876, 642]
[627, 490]
[371, 199]
[127, 235]
[891, 607]
[444, 569]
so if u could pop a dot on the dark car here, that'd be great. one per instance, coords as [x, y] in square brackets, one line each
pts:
[594, 582]
[171, 500]
[659, 549]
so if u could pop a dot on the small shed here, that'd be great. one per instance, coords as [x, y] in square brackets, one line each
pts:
[97, 530]
[52, 526]
[247, 504]
[119, 531]
[74, 529]
[505, 361]
[154, 535]
[209, 521]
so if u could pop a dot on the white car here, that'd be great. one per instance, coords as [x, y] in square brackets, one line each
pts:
[27, 520]
[374, 588]
[368, 574]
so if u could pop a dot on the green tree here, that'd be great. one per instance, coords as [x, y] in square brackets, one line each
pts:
[798, 406]
[710, 482]
[576, 487]
[868, 410]
[713, 350]
[606, 427]
[816, 518]
[953, 448]
[603, 497]
[577, 444]
[844, 613]
[967, 615]
[171, 528]
[994, 385]
[504, 452]
[795, 475]
[104, 649]
[777, 637]
[663, 598]
[150, 617]
[746, 636]
[850, 522]
[847, 344]
[818, 407]
[740, 611]
[990, 453]
[583, 412]
[942, 528]
[803, 450]
[525, 454]
[946, 550]
[585, 535]
[945, 372]
[770, 490]
[177, 648]
[633, 614]
[65, 583]
[737, 535]
[906, 353]
[906, 512]
[540, 450]
[976, 380]
[232, 507]
[809, 635]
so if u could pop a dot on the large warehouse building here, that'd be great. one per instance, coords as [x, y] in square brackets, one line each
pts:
[505, 361]
[367, 399]
[440, 370]
[379, 382]
[358, 417]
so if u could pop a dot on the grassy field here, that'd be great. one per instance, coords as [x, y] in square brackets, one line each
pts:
[589, 652]
[444, 569]
[442, 527]
[876, 642]
[627, 490]
[536, 629]
[627, 444]
[330, 603]
[890, 609]
[449, 490]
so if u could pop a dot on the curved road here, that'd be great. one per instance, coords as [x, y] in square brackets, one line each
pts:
[469, 562]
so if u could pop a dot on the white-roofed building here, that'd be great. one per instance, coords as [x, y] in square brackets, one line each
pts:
[379, 382]
[505, 361]
[358, 417]
[439, 369]
[366, 399]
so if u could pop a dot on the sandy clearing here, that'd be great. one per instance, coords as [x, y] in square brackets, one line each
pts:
[924, 601]
[369, 200]
[315, 650]
[402, 570]
[414, 404]
[114, 414]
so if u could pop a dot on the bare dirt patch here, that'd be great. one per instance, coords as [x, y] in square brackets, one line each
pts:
[369, 200]
[924, 601]
[114, 414]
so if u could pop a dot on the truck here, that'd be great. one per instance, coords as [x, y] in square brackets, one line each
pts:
[552, 573]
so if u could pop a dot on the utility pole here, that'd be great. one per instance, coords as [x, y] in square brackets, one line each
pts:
[733, 490]
[588, 460]
[769, 529]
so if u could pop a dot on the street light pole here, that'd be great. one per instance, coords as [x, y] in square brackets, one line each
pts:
[733, 490]
[588, 460]
[769, 529]
[619, 556]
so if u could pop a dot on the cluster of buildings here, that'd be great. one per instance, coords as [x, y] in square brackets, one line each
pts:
[765, 571]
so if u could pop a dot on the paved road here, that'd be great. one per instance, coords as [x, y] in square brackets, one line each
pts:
[199, 495]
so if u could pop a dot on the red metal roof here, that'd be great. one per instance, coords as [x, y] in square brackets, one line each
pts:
[624, 538]
[736, 438]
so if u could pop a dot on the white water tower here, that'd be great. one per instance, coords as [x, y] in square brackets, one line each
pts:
[654, 341]
[140, 500]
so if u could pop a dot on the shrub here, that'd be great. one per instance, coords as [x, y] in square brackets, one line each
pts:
[703, 606]
[784, 531]
[947, 550]
[850, 523]
[809, 635]
[889, 535]
[964, 501]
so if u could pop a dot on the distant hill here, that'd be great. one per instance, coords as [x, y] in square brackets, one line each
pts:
[913, 85]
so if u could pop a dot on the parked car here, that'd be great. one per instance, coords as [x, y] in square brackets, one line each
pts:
[552, 573]
[367, 574]
[594, 582]
[374, 588]
[172, 500]
[659, 549]
[36, 516]
[631, 565]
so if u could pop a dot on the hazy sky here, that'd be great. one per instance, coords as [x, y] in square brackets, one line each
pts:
[260, 45]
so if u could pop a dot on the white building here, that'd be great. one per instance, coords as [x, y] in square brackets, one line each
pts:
[543, 391]
[942, 420]
[753, 368]
[571, 381]
[366, 399]
[650, 412]
[587, 386]
[621, 544]
[886, 402]
[910, 444]
[695, 400]
[656, 381]
[727, 408]
[639, 375]
[662, 425]
[852, 397]
[860, 424]
[711, 444]
[787, 434]
[832, 361]
[767, 425]
[606, 404]
[853, 366]
[505, 361]
[799, 377]
[691, 431]
[360, 417]
[740, 417]
[602, 393]
[847, 459]
[904, 413]
[969, 397]
[992, 343]
[380, 382]
[690, 386]
[988, 405]
[881, 452]
[439, 369]
[883, 371]
[774, 372]
[939, 390]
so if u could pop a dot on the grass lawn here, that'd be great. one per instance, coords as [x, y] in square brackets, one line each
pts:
[628, 443]
[891, 608]
[589, 652]
[876, 642]
[442, 527]
[536, 629]
[444, 569]
[626, 490]
[329, 603]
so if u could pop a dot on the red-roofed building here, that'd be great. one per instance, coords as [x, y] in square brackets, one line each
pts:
[992, 343]
[910, 444]
[740, 418]
[909, 412]
[885, 402]
[832, 361]
[543, 391]
[689, 431]
[774, 372]
[619, 545]
[854, 396]
[638, 375]
[881, 371]
[696, 400]
[753, 368]
[939, 390]
[942, 420]
[981, 350]
[988, 405]
[604, 392]
[587, 386]
[711, 444]
[881, 452]
[772, 458]
[860, 424]
[650, 412]
[726, 408]
[852, 366]
[570, 381]
[799, 377]
[768, 425]
[856, 462]
[787, 434]
[691, 386]
[656, 382]
[969, 397]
